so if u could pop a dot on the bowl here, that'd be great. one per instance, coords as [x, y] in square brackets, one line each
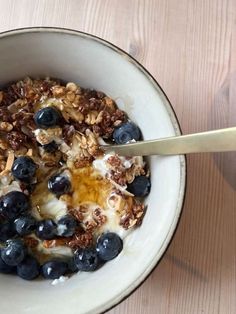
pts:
[95, 63]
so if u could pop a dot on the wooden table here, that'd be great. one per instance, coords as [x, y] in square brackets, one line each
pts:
[190, 48]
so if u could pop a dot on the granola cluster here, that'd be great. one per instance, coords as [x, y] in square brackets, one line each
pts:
[123, 174]
[87, 114]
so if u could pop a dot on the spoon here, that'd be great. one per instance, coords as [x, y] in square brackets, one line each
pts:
[221, 140]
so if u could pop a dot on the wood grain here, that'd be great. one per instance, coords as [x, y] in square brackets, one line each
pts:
[190, 48]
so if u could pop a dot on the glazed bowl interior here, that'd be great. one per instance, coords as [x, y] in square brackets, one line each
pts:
[93, 63]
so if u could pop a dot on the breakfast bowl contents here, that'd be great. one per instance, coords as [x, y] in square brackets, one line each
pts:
[65, 206]
[43, 230]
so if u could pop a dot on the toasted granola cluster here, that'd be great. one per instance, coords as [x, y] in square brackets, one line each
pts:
[87, 114]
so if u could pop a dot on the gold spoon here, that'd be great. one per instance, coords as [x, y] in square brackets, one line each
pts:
[221, 140]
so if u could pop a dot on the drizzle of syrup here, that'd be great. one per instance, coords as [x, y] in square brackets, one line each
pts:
[89, 186]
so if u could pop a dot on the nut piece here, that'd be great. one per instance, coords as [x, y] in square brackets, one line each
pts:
[3, 144]
[58, 90]
[71, 86]
[6, 126]
[70, 96]
[110, 103]
[46, 136]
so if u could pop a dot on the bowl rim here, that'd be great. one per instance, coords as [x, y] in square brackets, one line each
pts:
[175, 123]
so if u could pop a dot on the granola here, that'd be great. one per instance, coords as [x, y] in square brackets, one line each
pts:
[71, 182]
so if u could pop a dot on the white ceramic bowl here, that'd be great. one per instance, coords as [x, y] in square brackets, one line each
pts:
[94, 63]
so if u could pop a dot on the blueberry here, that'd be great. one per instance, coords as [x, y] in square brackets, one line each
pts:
[47, 117]
[140, 186]
[54, 269]
[46, 229]
[13, 204]
[25, 225]
[23, 168]
[14, 253]
[50, 147]
[7, 231]
[4, 268]
[126, 132]
[72, 267]
[66, 226]
[59, 184]
[109, 245]
[28, 269]
[86, 259]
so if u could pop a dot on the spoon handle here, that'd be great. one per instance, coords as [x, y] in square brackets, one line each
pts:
[221, 140]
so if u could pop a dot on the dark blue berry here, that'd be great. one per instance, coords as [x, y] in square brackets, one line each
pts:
[86, 259]
[14, 253]
[59, 184]
[4, 268]
[140, 186]
[24, 169]
[66, 226]
[109, 245]
[54, 269]
[14, 204]
[50, 147]
[46, 229]
[29, 268]
[72, 267]
[25, 225]
[7, 231]
[126, 132]
[47, 117]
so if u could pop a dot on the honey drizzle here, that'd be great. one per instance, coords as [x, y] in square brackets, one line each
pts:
[89, 186]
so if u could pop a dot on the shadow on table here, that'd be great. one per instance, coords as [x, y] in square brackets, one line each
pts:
[223, 115]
